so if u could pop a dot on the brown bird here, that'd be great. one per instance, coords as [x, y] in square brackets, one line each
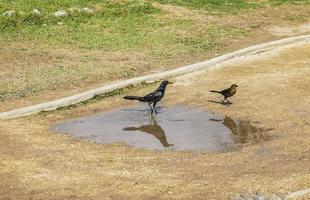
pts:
[227, 92]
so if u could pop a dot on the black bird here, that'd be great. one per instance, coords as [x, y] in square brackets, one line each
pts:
[227, 92]
[153, 97]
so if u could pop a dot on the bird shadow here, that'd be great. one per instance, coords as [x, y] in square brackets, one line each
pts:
[153, 128]
[220, 102]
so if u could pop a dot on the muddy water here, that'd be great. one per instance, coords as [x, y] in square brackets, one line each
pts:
[177, 128]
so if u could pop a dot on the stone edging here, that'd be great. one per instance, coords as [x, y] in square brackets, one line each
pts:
[52, 105]
[297, 194]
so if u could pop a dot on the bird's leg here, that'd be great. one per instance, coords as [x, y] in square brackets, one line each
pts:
[223, 101]
[153, 120]
[154, 107]
[151, 108]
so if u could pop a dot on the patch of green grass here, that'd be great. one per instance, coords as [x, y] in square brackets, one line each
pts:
[115, 26]
[229, 6]
[294, 2]
[119, 25]
[213, 5]
[120, 7]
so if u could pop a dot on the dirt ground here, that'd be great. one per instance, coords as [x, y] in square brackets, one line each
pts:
[38, 164]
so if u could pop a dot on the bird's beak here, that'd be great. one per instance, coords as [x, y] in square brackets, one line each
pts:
[170, 82]
[237, 86]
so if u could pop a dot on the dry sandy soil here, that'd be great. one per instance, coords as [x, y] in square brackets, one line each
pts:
[274, 91]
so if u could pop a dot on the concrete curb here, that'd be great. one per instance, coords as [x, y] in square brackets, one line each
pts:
[297, 194]
[52, 105]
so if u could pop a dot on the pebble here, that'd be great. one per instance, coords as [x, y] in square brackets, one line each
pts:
[36, 12]
[60, 13]
[9, 13]
[88, 10]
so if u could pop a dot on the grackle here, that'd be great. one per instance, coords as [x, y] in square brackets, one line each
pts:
[153, 97]
[227, 92]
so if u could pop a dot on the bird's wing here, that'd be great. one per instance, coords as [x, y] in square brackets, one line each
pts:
[152, 96]
[225, 92]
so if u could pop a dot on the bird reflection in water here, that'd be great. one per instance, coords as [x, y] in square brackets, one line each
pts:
[244, 131]
[154, 129]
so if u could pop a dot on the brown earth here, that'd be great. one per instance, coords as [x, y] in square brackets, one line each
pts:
[37, 164]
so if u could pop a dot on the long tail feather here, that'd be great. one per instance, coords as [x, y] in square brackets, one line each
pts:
[133, 98]
[215, 91]
[130, 129]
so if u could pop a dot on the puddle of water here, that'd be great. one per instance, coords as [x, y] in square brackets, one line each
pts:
[177, 128]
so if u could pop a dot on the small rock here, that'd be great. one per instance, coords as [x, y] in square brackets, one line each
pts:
[9, 13]
[36, 12]
[60, 23]
[88, 10]
[44, 24]
[60, 13]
